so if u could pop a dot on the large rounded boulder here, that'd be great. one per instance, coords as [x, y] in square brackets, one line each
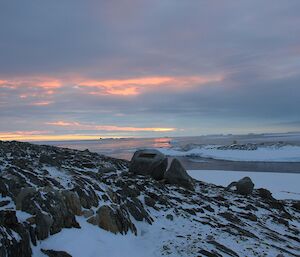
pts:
[149, 162]
[244, 186]
[177, 175]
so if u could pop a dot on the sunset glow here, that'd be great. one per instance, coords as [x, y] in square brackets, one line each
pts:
[77, 125]
[169, 68]
[136, 86]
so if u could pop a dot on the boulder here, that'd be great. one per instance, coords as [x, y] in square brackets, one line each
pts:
[72, 201]
[244, 186]
[177, 175]
[149, 163]
[43, 224]
[114, 219]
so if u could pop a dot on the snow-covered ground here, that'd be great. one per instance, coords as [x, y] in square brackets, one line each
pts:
[282, 185]
[287, 153]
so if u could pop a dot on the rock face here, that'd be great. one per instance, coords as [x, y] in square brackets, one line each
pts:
[149, 162]
[40, 196]
[113, 220]
[244, 186]
[177, 175]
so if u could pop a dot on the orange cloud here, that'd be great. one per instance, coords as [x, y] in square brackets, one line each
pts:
[135, 86]
[80, 126]
[25, 136]
[3, 82]
[42, 103]
[22, 135]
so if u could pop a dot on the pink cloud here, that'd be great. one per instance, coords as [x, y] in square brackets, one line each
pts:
[81, 126]
[136, 86]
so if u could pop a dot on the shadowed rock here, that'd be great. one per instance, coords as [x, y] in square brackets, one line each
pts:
[52, 253]
[244, 186]
[149, 163]
[177, 175]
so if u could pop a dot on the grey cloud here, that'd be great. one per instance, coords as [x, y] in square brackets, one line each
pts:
[254, 44]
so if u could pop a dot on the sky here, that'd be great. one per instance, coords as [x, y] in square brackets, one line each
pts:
[75, 69]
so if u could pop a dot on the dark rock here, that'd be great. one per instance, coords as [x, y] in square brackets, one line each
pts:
[43, 224]
[223, 248]
[149, 163]
[177, 175]
[296, 205]
[208, 254]
[208, 208]
[3, 203]
[137, 210]
[49, 160]
[72, 201]
[249, 216]
[52, 253]
[113, 220]
[14, 236]
[170, 217]
[230, 217]
[244, 186]
[149, 201]
[265, 193]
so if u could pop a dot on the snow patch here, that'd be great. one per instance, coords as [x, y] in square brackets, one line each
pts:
[265, 154]
[282, 185]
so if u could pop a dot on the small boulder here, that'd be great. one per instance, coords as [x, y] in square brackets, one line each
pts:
[177, 175]
[244, 186]
[149, 162]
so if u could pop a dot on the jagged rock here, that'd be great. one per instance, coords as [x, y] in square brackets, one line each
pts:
[177, 175]
[265, 193]
[49, 160]
[149, 201]
[43, 224]
[149, 162]
[52, 253]
[112, 220]
[244, 186]
[14, 237]
[72, 201]
[136, 209]
[24, 192]
[296, 205]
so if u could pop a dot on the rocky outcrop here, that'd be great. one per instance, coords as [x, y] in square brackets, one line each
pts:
[113, 219]
[244, 186]
[177, 175]
[39, 197]
[149, 162]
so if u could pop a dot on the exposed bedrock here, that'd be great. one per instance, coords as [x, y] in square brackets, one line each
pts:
[40, 196]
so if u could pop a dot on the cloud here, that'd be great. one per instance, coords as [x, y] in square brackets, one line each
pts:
[193, 65]
[136, 86]
[80, 126]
